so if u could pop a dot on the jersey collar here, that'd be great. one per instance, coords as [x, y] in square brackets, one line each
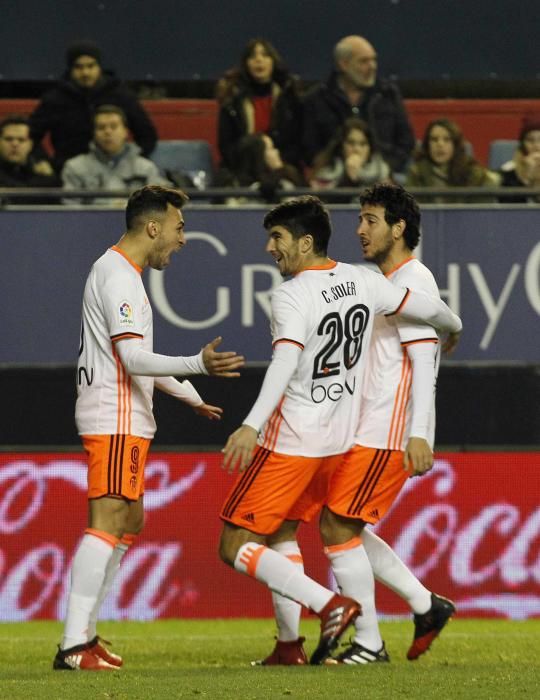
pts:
[126, 257]
[403, 262]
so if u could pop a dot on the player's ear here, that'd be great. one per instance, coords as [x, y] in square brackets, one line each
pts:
[152, 228]
[306, 243]
[398, 229]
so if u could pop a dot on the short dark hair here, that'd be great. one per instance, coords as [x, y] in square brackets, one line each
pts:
[149, 200]
[398, 205]
[111, 109]
[302, 216]
[14, 120]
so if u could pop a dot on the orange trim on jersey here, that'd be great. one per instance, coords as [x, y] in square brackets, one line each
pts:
[402, 303]
[123, 384]
[274, 424]
[350, 544]
[288, 340]
[105, 536]
[250, 558]
[295, 558]
[406, 343]
[126, 257]
[328, 266]
[397, 424]
[394, 269]
[123, 336]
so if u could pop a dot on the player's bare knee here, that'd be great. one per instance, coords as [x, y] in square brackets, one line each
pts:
[335, 529]
[286, 533]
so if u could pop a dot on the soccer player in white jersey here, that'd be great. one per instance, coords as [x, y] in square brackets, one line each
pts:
[116, 375]
[394, 440]
[308, 407]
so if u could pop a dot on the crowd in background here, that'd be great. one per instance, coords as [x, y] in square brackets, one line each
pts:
[273, 136]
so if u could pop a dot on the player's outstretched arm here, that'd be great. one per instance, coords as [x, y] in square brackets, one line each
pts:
[221, 364]
[138, 361]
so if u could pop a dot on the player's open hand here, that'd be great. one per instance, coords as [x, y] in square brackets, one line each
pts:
[207, 411]
[451, 342]
[221, 364]
[418, 458]
[239, 449]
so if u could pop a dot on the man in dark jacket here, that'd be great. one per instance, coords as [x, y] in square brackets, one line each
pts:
[353, 90]
[18, 168]
[67, 111]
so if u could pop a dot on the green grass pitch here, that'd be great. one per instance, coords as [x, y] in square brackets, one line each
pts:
[473, 659]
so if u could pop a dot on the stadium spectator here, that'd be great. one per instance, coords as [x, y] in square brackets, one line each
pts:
[66, 111]
[524, 168]
[113, 163]
[350, 160]
[354, 90]
[442, 161]
[18, 167]
[259, 166]
[259, 96]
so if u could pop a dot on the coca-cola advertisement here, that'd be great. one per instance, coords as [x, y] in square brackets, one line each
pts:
[469, 529]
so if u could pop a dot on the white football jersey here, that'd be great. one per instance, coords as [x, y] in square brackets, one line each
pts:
[115, 306]
[385, 408]
[328, 312]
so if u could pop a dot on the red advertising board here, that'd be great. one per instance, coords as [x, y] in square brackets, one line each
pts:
[470, 529]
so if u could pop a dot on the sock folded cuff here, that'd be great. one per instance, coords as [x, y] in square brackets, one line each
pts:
[295, 558]
[128, 539]
[102, 535]
[344, 547]
[248, 557]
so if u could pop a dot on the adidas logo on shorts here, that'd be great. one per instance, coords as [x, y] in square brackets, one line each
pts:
[250, 517]
[373, 513]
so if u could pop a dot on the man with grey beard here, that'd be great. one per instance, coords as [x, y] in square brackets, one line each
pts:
[354, 90]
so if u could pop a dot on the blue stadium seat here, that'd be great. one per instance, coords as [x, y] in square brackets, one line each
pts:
[500, 151]
[185, 156]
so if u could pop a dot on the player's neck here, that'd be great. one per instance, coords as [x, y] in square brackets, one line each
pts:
[394, 259]
[132, 248]
[311, 261]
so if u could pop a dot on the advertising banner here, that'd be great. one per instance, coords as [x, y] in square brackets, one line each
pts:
[470, 530]
[486, 262]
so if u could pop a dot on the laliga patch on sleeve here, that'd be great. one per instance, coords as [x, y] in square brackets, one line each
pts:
[125, 313]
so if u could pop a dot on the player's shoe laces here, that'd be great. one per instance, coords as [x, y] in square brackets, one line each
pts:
[336, 616]
[80, 658]
[98, 648]
[429, 625]
[285, 654]
[356, 654]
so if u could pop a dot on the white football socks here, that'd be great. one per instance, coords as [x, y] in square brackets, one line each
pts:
[288, 611]
[87, 575]
[110, 574]
[392, 572]
[281, 575]
[354, 576]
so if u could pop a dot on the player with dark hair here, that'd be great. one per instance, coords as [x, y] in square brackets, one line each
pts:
[393, 440]
[116, 375]
[304, 418]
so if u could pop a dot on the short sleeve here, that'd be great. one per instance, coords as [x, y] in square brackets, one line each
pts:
[123, 307]
[418, 281]
[288, 318]
[388, 297]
